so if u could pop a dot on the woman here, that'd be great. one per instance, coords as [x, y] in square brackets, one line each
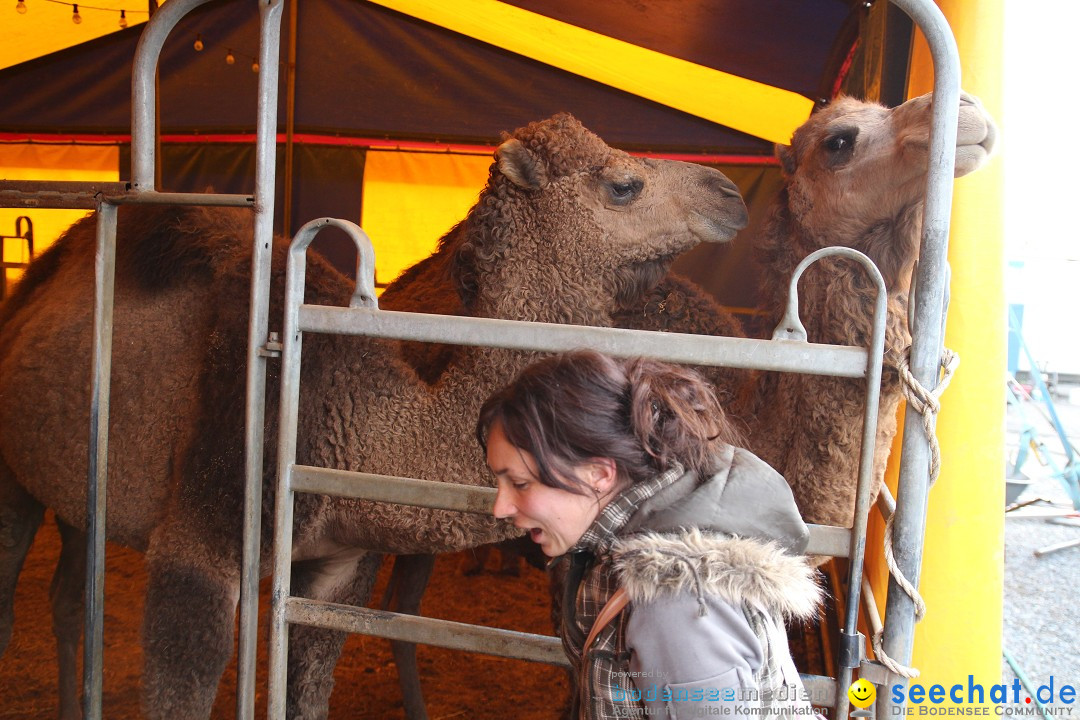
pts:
[628, 470]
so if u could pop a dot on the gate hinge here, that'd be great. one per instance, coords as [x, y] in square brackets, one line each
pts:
[273, 346]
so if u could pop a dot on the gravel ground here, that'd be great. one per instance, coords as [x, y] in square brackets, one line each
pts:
[1042, 619]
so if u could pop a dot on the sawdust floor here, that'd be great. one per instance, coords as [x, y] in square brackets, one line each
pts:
[456, 684]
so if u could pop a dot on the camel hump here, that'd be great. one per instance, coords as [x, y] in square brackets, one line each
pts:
[158, 246]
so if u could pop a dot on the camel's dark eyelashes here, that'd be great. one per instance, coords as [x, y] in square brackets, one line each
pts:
[622, 193]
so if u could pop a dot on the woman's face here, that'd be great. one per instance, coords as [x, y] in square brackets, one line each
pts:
[555, 519]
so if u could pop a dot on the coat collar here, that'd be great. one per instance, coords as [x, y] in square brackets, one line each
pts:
[739, 570]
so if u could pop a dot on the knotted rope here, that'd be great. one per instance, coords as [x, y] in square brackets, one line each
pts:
[926, 403]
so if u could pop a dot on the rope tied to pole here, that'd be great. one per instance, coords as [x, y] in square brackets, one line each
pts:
[927, 403]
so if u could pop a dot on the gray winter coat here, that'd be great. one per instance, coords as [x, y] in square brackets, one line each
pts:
[712, 567]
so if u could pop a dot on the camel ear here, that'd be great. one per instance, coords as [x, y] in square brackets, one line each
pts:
[520, 165]
[786, 156]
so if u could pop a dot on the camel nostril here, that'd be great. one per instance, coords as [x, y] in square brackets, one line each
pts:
[718, 182]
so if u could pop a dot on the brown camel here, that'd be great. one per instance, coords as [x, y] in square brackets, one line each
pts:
[855, 175]
[555, 192]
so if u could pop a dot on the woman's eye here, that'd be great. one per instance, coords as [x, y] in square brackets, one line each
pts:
[519, 486]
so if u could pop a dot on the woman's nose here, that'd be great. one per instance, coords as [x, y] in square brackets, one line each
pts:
[504, 508]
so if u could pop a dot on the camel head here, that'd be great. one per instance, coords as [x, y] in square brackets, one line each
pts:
[856, 174]
[564, 215]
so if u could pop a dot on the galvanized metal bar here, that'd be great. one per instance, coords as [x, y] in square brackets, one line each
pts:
[93, 644]
[829, 541]
[292, 343]
[86, 195]
[822, 689]
[428, 631]
[398, 490]
[824, 539]
[909, 522]
[831, 360]
[62, 194]
[143, 73]
[255, 400]
[791, 328]
[151, 197]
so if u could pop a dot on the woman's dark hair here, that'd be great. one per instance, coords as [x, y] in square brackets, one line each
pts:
[645, 415]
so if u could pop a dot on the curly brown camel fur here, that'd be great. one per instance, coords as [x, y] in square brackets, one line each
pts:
[556, 192]
[854, 175]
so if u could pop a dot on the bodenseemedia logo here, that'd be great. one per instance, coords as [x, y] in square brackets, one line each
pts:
[1053, 698]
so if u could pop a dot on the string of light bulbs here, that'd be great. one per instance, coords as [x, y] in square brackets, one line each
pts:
[230, 55]
[22, 8]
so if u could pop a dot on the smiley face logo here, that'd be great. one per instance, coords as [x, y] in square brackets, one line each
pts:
[862, 693]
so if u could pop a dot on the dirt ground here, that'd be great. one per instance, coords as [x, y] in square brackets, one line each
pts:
[456, 684]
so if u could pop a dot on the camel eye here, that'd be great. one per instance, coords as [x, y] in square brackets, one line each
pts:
[623, 192]
[836, 144]
[840, 146]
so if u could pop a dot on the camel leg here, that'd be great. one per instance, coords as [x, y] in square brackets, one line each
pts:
[408, 581]
[67, 594]
[346, 578]
[188, 621]
[20, 517]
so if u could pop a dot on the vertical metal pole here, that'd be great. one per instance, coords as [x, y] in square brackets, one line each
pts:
[104, 273]
[909, 525]
[254, 413]
[292, 340]
[143, 95]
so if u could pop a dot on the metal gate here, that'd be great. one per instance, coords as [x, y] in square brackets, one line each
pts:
[791, 354]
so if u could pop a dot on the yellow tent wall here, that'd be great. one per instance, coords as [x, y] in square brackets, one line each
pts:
[50, 162]
[962, 576]
[411, 199]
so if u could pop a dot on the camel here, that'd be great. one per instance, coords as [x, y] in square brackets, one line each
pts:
[555, 191]
[855, 175]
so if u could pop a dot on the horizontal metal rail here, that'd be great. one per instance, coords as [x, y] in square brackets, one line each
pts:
[427, 631]
[67, 195]
[64, 195]
[386, 488]
[822, 689]
[824, 539]
[783, 356]
[469, 638]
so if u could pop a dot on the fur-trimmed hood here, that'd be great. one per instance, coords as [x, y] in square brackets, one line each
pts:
[652, 565]
[736, 534]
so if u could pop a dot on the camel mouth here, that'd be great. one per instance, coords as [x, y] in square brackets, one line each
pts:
[718, 230]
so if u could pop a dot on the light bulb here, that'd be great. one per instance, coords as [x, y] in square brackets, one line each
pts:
[198, 43]
[254, 66]
[123, 19]
[229, 59]
[75, 16]
[20, 7]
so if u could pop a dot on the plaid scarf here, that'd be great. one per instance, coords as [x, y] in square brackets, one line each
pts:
[589, 583]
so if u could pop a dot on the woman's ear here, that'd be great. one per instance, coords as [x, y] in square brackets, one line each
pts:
[602, 475]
